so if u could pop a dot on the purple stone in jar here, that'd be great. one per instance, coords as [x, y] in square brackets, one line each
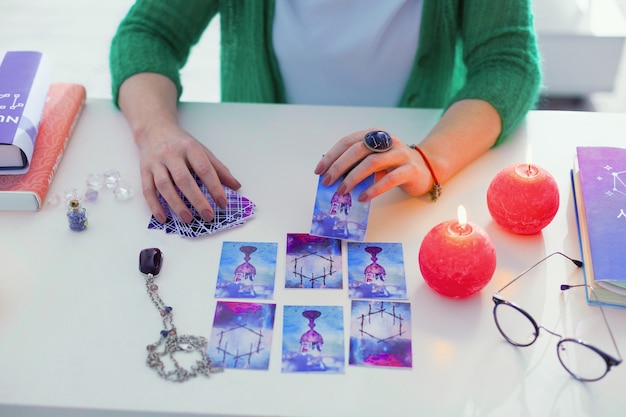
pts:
[76, 216]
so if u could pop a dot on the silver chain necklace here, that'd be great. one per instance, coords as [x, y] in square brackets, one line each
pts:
[150, 261]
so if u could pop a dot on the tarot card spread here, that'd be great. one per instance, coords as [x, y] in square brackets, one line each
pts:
[238, 210]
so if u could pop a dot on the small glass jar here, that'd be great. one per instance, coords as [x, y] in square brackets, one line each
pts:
[76, 216]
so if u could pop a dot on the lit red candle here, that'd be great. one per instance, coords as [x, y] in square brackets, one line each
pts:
[457, 259]
[523, 198]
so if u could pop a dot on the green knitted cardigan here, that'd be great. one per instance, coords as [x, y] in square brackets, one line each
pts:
[475, 49]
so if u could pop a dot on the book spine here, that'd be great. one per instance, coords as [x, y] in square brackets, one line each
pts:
[66, 106]
[66, 140]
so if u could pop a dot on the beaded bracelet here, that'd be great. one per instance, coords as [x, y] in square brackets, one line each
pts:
[435, 192]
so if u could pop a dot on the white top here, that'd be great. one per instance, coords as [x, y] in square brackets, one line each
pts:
[326, 56]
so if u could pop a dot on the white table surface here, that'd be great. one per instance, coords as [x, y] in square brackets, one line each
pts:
[75, 318]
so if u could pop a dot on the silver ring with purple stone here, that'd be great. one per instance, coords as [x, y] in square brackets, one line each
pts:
[378, 141]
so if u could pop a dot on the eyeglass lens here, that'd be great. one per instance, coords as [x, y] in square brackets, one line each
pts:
[581, 361]
[516, 327]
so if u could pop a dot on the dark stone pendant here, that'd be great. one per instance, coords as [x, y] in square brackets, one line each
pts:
[150, 261]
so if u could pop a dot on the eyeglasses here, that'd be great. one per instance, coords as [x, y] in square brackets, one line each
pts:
[583, 361]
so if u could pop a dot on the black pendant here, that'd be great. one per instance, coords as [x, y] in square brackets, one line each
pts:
[150, 261]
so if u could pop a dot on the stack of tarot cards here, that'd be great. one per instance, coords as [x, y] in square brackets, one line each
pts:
[238, 210]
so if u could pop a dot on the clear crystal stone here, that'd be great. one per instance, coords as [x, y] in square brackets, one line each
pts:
[111, 178]
[53, 200]
[95, 181]
[123, 191]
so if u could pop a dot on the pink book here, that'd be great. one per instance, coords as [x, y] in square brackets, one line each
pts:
[27, 192]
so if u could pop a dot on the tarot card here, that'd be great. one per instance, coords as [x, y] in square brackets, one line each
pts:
[313, 339]
[341, 216]
[241, 336]
[376, 270]
[237, 212]
[380, 334]
[247, 270]
[154, 224]
[313, 262]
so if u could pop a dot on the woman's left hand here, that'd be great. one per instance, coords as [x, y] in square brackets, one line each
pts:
[402, 167]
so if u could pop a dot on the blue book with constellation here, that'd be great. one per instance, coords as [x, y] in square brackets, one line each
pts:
[599, 181]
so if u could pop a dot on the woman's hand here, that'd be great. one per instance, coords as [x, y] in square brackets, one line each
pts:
[168, 156]
[403, 167]
[466, 130]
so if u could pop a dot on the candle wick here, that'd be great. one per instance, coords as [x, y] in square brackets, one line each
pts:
[529, 171]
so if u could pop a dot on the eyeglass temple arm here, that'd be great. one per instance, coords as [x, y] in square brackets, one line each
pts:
[574, 261]
[565, 287]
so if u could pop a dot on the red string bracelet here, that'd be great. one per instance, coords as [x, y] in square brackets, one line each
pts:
[435, 192]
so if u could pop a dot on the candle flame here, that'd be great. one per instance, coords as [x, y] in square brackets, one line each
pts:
[462, 216]
[529, 157]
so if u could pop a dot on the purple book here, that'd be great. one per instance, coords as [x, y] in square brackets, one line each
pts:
[600, 184]
[24, 82]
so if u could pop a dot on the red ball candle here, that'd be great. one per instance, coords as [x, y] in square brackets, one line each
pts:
[457, 259]
[523, 198]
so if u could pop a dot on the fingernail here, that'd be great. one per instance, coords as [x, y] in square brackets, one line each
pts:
[326, 180]
[186, 216]
[222, 202]
[318, 168]
[342, 188]
[160, 218]
[363, 197]
[207, 215]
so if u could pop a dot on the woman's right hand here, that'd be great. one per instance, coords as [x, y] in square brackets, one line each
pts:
[169, 154]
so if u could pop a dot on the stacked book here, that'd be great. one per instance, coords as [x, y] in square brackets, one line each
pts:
[37, 119]
[599, 181]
